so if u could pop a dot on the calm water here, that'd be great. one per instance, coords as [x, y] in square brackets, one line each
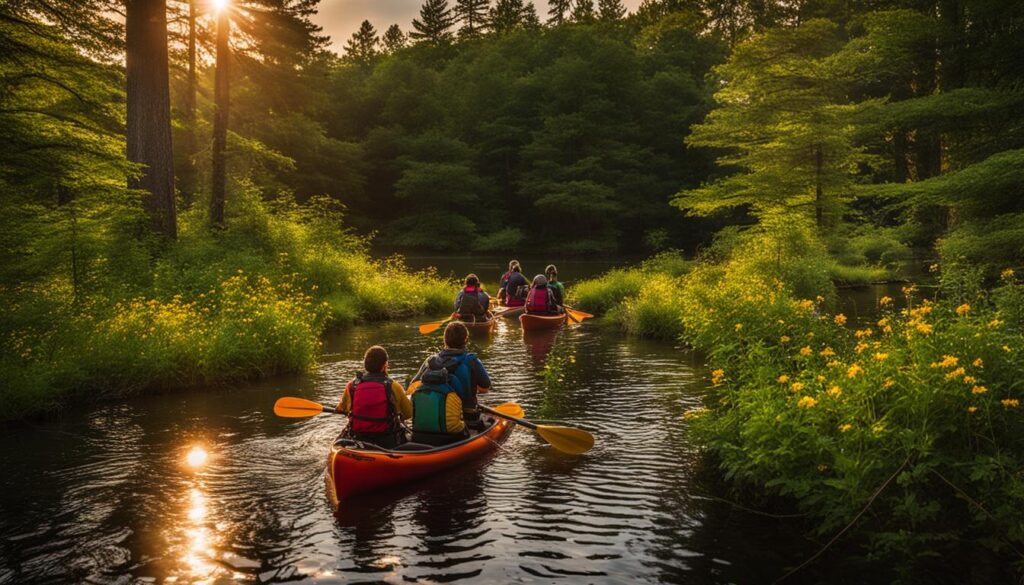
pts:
[110, 494]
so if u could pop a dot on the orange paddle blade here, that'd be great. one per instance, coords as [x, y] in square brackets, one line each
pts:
[567, 439]
[428, 328]
[510, 409]
[292, 407]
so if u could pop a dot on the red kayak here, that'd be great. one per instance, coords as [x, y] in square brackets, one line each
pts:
[540, 322]
[355, 468]
[484, 326]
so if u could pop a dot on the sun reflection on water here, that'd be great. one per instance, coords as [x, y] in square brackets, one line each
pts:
[196, 457]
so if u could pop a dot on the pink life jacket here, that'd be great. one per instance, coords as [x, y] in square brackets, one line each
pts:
[539, 300]
[372, 411]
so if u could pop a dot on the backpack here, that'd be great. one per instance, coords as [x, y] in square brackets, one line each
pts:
[470, 303]
[430, 400]
[540, 300]
[372, 410]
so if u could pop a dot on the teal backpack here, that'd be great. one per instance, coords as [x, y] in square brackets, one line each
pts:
[429, 400]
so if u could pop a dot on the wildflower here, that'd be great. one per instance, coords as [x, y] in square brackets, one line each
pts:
[948, 361]
[694, 413]
[820, 378]
[853, 370]
[716, 376]
[979, 390]
[909, 290]
[878, 428]
[934, 267]
[994, 323]
[923, 328]
[1007, 349]
[739, 326]
[806, 351]
[834, 363]
[881, 356]
[845, 427]
[970, 379]
[860, 347]
[885, 300]
[840, 319]
[783, 379]
[883, 322]
[972, 409]
[796, 386]
[1006, 274]
[978, 362]
[827, 352]
[953, 375]
[820, 299]
[834, 391]
[1011, 403]
[807, 402]
[963, 309]
[806, 304]
[864, 333]
[784, 339]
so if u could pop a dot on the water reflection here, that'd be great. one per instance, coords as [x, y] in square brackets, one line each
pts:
[540, 343]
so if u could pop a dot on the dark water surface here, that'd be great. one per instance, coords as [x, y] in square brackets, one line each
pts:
[118, 493]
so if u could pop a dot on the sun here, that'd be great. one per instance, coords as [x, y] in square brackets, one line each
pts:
[219, 5]
[196, 457]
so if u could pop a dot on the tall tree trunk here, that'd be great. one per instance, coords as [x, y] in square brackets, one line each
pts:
[149, 110]
[221, 100]
[187, 182]
[819, 162]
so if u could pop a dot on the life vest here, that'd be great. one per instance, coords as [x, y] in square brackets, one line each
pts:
[430, 401]
[372, 410]
[471, 303]
[540, 300]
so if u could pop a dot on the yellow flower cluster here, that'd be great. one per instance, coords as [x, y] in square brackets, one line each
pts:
[963, 309]
[827, 352]
[806, 351]
[853, 370]
[845, 427]
[834, 391]
[784, 339]
[807, 402]
[885, 301]
[1011, 403]
[979, 390]
[796, 386]
[783, 379]
[840, 319]
[717, 376]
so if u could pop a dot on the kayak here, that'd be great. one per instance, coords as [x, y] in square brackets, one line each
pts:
[486, 326]
[354, 468]
[512, 312]
[540, 322]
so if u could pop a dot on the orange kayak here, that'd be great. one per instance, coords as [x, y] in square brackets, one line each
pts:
[540, 322]
[486, 326]
[353, 468]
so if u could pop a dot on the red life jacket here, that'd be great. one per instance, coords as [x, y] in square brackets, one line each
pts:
[539, 300]
[372, 411]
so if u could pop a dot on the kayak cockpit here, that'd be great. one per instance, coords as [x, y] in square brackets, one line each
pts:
[351, 444]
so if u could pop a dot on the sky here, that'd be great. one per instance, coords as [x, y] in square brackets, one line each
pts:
[341, 18]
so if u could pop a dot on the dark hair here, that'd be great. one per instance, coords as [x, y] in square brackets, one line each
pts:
[512, 264]
[516, 268]
[551, 271]
[374, 359]
[455, 335]
[472, 280]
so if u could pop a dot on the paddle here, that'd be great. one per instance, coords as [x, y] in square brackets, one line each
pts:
[576, 314]
[292, 407]
[565, 439]
[428, 328]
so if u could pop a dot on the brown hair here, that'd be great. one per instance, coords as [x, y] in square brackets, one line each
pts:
[472, 280]
[374, 359]
[455, 335]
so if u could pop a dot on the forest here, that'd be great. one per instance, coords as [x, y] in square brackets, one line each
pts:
[194, 191]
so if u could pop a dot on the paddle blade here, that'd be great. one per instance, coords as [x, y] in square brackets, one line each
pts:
[510, 409]
[291, 407]
[567, 439]
[578, 315]
[428, 328]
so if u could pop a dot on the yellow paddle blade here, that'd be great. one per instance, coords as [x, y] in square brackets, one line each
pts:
[578, 315]
[510, 409]
[291, 407]
[567, 439]
[428, 328]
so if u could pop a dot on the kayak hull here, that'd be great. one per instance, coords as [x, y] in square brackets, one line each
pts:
[512, 312]
[353, 471]
[482, 327]
[541, 322]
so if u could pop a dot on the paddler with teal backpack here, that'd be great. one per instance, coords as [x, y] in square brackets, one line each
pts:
[444, 391]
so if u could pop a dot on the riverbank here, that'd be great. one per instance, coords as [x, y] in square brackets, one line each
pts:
[211, 308]
[913, 421]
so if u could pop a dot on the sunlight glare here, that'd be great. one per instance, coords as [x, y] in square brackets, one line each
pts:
[219, 5]
[196, 457]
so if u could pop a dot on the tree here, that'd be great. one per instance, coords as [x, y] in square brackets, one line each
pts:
[583, 11]
[473, 16]
[558, 11]
[434, 24]
[530, 19]
[149, 110]
[362, 47]
[394, 39]
[221, 102]
[506, 16]
[610, 10]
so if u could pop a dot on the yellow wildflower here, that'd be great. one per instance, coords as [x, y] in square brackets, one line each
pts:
[889, 382]
[1006, 274]
[694, 413]
[978, 363]
[881, 356]
[883, 322]
[716, 376]
[1007, 349]
[806, 351]
[784, 339]
[909, 290]
[934, 267]
[834, 363]
[853, 370]
[806, 304]
[796, 386]
[845, 427]
[820, 378]
[739, 326]
[827, 352]
[994, 323]
[972, 409]
[820, 299]
[834, 391]
[970, 379]
[979, 390]
[955, 374]
[948, 361]
[840, 319]
[860, 347]
[783, 379]
[923, 328]
[806, 402]
[1011, 403]
[963, 309]
[864, 333]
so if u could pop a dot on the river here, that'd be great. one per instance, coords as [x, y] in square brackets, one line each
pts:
[211, 487]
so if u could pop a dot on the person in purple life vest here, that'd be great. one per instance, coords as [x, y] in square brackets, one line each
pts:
[375, 404]
[541, 298]
[472, 303]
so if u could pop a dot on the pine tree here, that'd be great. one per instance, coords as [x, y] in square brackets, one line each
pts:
[558, 11]
[394, 39]
[610, 10]
[434, 24]
[506, 16]
[583, 11]
[530, 19]
[473, 16]
[362, 47]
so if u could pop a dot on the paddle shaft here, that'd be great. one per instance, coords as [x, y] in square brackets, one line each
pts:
[518, 421]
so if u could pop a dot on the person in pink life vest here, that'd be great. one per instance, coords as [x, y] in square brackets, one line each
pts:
[541, 298]
[472, 303]
[375, 404]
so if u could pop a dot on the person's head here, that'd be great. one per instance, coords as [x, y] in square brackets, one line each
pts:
[472, 281]
[456, 335]
[551, 272]
[540, 280]
[512, 264]
[375, 360]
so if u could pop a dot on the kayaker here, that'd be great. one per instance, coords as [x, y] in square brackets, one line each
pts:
[448, 382]
[472, 303]
[515, 287]
[503, 281]
[551, 272]
[541, 299]
[376, 404]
